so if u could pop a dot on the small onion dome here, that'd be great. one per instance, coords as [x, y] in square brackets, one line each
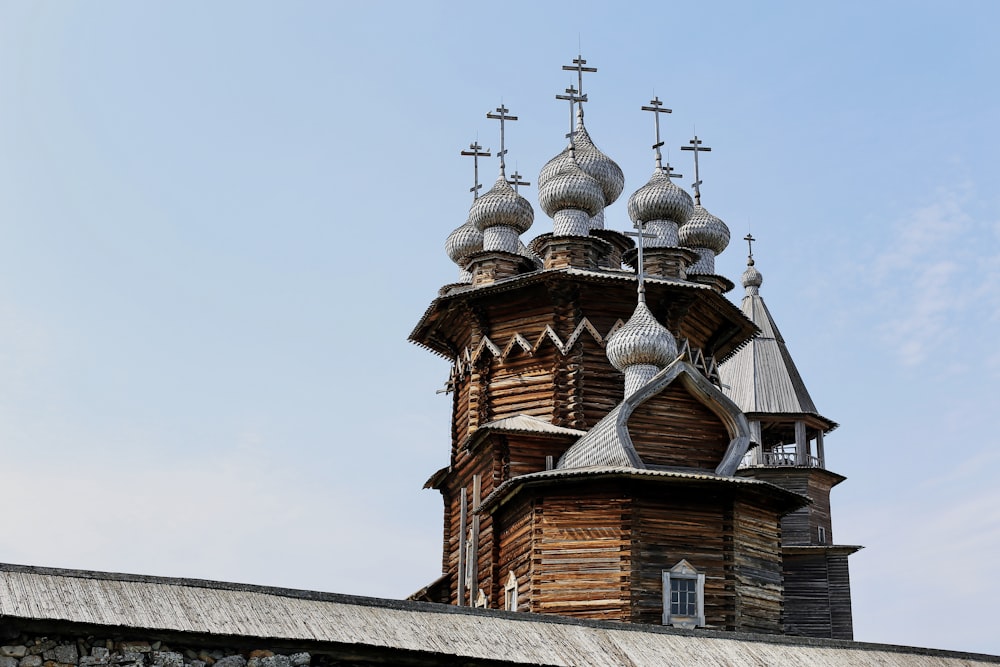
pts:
[660, 199]
[463, 242]
[642, 340]
[752, 277]
[501, 206]
[553, 166]
[704, 230]
[570, 188]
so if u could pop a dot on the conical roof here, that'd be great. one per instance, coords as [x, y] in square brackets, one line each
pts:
[761, 376]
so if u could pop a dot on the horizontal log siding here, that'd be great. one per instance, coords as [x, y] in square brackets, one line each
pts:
[514, 530]
[807, 595]
[669, 529]
[522, 385]
[602, 386]
[580, 557]
[486, 463]
[527, 454]
[758, 568]
[840, 597]
[674, 429]
[800, 527]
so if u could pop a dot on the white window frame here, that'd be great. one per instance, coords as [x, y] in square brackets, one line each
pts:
[510, 592]
[684, 570]
[821, 534]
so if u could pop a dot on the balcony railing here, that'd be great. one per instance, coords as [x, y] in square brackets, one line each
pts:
[755, 459]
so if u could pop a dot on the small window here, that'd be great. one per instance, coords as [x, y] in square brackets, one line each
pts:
[821, 534]
[683, 596]
[510, 592]
[482, 602]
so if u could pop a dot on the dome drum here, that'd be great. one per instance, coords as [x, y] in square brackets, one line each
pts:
[571, 222]
[502, 238]
[665, 231]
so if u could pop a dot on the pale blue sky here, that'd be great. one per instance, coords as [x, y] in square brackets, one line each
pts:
[219, 222]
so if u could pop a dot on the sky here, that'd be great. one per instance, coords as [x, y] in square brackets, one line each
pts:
[220, 221]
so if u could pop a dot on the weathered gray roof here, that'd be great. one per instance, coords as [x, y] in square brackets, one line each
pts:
[529, 424]
[761, 376]
[508, 487]
[126, 602]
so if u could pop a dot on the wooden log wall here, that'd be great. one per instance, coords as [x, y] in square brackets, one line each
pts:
[674, 428]
[841, 618]
[807, 595]
[581, 556]
[758, 568]
[801, 526]
[514, 529]
[676, 526]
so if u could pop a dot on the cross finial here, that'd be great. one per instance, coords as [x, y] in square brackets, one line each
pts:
[639, 235]
[476, 151]
[578, 67]
[573, 98]
[501, 115]
[749, 239]
[670, 172]
[515, 180]
[656, 106]
[695, 145]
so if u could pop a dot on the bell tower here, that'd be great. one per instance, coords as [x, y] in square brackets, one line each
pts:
[788, 435]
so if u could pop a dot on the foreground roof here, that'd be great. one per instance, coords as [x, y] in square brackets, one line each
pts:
[427, 633]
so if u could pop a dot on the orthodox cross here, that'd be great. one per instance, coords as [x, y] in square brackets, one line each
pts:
[639, 235]
[515, 180]
[749, 239]
[697, 148]
[578, 67]
[573, 98]
[501, 115]
[476, 151]
[657, 108]
[670, 172]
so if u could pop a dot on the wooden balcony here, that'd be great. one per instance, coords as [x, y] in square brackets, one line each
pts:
[777, 459]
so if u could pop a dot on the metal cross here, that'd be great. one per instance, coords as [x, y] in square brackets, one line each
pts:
[578, 67]
[670, 172]
[749, 239]
[515, 180]
[501, 115]
[695, 145]
[657, 108]
[571, 95]
[476, 151]
[640, 234]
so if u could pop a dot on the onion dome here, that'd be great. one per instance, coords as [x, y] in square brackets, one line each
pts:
[570, 187]
[463, 242]
[642, 341]
[751, 278]
[501, 214]
[704, 230]
[591, 160]
[660, 199]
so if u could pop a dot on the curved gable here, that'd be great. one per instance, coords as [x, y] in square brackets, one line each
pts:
[610, 442]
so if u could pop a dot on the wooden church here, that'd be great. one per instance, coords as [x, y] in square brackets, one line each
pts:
[626, 443]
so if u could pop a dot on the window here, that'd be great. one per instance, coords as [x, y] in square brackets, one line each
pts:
[821, 534]
[481, 600]
[510, 592]
[683, 596]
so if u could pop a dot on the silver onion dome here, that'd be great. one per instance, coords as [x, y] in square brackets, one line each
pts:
[591, 160]
[752, 279]
[464, 241]
[641, 341]
[660, 199]
[501, 206]
[570, 187]
[704, 230]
